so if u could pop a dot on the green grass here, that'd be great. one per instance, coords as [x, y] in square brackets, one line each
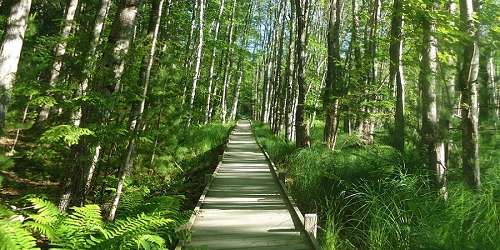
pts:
[371, 197]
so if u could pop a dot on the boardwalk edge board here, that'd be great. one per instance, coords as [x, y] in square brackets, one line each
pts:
[187, 226]
[296, 215]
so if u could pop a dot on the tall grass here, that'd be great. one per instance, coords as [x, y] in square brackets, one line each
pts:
[370, 197]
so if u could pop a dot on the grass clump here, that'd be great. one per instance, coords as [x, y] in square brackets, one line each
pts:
[372, 197]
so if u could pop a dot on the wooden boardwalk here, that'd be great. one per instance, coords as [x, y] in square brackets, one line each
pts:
[245, 207]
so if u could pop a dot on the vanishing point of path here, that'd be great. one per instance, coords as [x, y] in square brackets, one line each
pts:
[244, 207]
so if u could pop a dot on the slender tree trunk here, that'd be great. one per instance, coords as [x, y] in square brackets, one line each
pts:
[468, 87]
[59, 54]
[486, 86]
[334, 81]
[396, 78]
[137, 114]
[228, 66]
[199, 56]
[94, 42]
[302, 13]
[23, 121]
[431, 140]
[114, 63]
[10, 52]
[290, 76]
[212, 64]
[187, 49]
[368, 125]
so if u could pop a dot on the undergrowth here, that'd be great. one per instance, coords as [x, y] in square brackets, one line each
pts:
[149, 212]
[371, 197]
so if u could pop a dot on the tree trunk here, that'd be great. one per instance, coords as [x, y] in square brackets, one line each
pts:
[396, 78]
[199, 56]
[60, 52]
[431, 140]
[10, 52]
[468, 88]
[187, 49]
[302, 13]
[290, 77]
[334, 81]
[212, 64]
[137, 114]
[113, 66]
[94, 42]
[368, 125]
[228, 65]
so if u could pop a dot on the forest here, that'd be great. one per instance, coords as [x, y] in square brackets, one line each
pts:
[381, 117]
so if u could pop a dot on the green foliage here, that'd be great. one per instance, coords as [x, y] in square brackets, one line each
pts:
[68, 134]
[14, 236]
[366, 199]
[84, 227]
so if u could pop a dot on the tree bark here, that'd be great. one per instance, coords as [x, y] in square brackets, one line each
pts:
[113, 66]
[431, 140]
[138, 111]
[290, 77]
[469, 104]
[396, 78]
[302, 13]
[228, 65]
[60, 51]
[199, 56]
[333, 87]
[10, 52]
[94, 42]
[212, 64]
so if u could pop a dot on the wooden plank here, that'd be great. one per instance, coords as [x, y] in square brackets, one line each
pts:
[245, 207]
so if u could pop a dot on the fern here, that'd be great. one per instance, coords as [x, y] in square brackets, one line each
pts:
[13, 236]
[82, 228]
[148, 241]
[121, 232]
[46, 220]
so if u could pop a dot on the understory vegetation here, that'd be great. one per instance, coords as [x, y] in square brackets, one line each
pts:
[158, 199]
[372, 197]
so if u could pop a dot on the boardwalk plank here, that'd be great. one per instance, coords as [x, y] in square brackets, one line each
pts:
[244, 208]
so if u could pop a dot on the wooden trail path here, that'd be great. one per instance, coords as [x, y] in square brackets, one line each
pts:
[245, 206]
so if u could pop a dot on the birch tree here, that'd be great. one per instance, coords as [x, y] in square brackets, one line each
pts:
[10, 52]
[467, 81]
[199, 56]
[60, 51]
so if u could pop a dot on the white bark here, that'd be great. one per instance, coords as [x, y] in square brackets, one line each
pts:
[227, 74]
[60, 52]
[199, 55]
[96, 37]
[137, 117]
[10, 51]
[212, 64]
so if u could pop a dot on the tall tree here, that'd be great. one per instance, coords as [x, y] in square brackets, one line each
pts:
[431, 140]
[334, 79]
[119, 43]
[228, 65]
[302, 15]
[396, 78]
[208, 114]
[60, 51]
[199, 56]
[99, 22]
[10, 52]
[138, 108]
[467, 81]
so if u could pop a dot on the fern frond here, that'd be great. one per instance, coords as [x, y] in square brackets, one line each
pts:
[122, 232]
[148, 241]
[47, 219]
[13, 236]
[82, 228]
